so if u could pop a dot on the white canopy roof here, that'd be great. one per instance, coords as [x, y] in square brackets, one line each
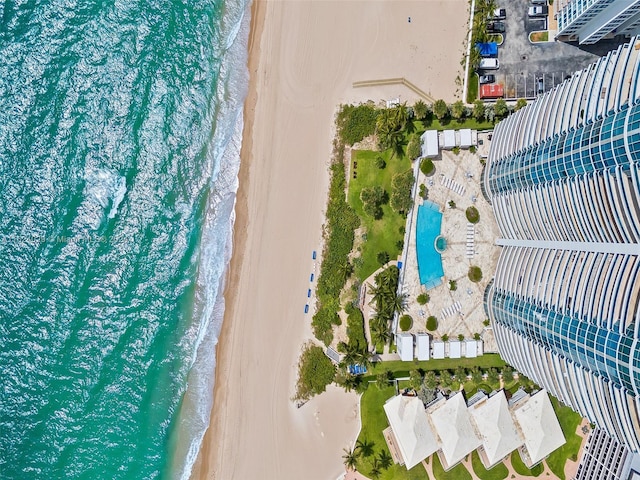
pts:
[408, 420]
[452, 423]
[422, 344]
[404, 342]
[540, 427]
[449, 138]
[496, 427]
[429, 143]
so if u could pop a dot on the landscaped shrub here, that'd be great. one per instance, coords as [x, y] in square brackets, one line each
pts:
[414, 149]
[452, 204]
[423, 298]
[427, 167]
[383, 258]
[401, 185]
[432, 323]
[473, 216]
[406, 322]
[445, 338]
[453, 285]
[315, 372]
[424, 191]
[456, 150]
[440, 109]
[475, 274]
[341, 223]
[380, 163]
[461, 337]
[356, 122]
[355, 329]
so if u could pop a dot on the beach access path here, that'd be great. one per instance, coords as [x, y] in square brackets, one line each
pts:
[304, 58]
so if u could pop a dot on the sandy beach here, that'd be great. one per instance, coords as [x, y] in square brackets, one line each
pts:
[304, 58]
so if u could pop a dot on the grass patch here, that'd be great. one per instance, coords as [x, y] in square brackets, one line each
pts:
[499, 472]
[400, 368]
[436, 124]
[539, 36]
[374, 421]
[381, 235]
[472, 86]
[521, 468]
[569, 421]
[459, 472]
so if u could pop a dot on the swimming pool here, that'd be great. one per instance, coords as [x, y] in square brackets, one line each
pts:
[427, 231]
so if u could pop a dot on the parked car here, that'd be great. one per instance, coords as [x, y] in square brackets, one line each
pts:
[540, 85]
[489, 64]
[487, 79]
[538, 10]
[495, 27]
[498, 14]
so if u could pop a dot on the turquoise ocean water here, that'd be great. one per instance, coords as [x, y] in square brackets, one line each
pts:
[120, 126]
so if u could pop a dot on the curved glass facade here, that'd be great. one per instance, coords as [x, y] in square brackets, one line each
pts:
[563, 176]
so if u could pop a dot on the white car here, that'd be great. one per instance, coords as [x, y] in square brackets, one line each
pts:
[538, 10]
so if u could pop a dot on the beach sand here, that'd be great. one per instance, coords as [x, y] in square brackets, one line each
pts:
[304, 57]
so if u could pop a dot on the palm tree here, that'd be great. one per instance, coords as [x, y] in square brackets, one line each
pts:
[399, 302]
[375, 469]
[350, 354]
[430, 379]
[350, 458]
[365, 447]
[384, 459]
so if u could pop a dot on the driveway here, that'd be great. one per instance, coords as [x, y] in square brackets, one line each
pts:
[522, 63]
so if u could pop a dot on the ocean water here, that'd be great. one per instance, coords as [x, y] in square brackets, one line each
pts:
[120, 126]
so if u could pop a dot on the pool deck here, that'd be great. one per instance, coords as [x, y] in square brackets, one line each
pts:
[464, 169]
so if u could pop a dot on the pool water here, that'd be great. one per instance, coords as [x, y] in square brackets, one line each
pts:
[428, 226]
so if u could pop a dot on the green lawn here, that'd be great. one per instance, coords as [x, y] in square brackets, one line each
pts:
[499, 472]
[569, 421]
[454, 124]
[401, 369]
[521, 468]
[384, 234]
[374, 421]
[472, 91]
[459, 472]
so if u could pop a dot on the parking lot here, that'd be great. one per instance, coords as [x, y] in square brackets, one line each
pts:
[528, 69]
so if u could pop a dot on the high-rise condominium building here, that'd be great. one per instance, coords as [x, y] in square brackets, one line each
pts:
[563, 175]
[589, 21]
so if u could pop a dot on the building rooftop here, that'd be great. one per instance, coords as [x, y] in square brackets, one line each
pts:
[496, 428]
[414, 437]
[540, 427]
[452, 424]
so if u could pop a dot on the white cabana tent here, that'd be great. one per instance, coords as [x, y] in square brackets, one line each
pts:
[404, 342]
[448, 139]
[455, 349]
[429, 144]
[438, 349]
[423, 346]
[466, 139]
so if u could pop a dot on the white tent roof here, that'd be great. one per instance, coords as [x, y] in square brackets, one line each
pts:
[540, 427]
[471, 348]
[455, 350]
[452, 423]
[412, 431]
[496, 427]
[438, 349]
[465, 137]
[422, 343]
[429, 143]
[449, 138]
[405, 346]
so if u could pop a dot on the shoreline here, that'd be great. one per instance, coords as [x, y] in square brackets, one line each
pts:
[202, 468]
[297, 78]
